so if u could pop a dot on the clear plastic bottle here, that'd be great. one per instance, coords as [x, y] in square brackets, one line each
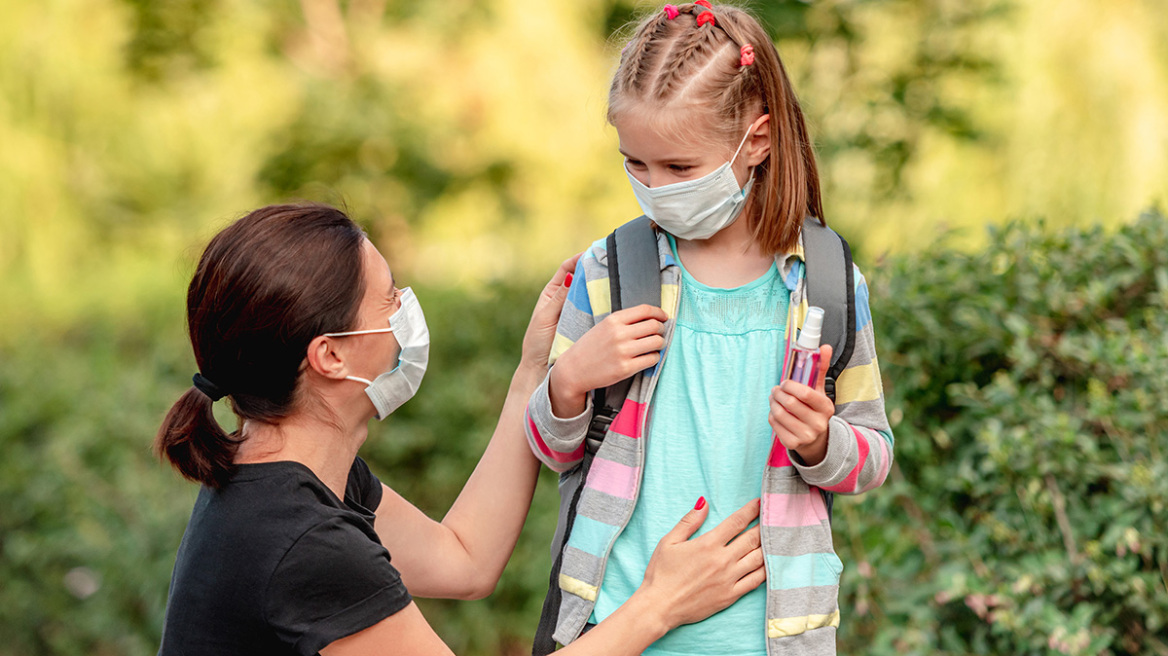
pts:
[804, 360]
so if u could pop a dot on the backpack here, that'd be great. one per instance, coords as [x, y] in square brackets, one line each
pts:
[634, 277]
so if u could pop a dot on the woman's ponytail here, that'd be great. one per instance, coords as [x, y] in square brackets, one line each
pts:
[193, 441]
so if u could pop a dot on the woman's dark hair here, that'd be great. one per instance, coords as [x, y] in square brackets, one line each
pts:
[264, 288]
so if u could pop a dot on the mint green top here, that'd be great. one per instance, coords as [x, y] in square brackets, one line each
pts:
[707, 436]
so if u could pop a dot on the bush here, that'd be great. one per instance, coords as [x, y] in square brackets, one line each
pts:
[1028, 511]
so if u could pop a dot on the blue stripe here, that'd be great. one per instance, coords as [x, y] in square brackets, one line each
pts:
[590, 536]
[808, 570]
[578, 292]
[863, 312]
[794, 275]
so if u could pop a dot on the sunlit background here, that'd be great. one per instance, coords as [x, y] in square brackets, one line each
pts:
[468, 137]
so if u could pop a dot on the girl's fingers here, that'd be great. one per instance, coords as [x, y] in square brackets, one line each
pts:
[824, 365]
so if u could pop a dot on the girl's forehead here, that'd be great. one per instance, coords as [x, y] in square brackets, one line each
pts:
[667, 131]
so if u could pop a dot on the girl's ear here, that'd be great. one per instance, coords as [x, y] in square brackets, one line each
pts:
[325, 358]
[758, 146]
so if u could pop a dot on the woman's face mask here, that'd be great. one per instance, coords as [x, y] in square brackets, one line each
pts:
[695, 209]
[393, 388]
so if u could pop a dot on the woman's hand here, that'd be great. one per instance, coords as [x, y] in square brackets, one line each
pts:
[693, 579]
[624, 343]
[541, 330]
[800, 414]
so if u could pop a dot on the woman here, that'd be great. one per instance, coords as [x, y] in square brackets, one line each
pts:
[296, 317]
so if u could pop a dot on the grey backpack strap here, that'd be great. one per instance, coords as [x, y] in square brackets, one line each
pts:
[634, 278]
[830, 285]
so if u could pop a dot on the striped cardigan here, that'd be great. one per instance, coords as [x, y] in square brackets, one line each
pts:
[803, 570]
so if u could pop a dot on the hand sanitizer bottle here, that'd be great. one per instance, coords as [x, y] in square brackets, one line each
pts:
[804, 360]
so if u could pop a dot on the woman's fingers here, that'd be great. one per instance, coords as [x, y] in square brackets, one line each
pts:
[751, 579]
[734, 524]
[689, 524]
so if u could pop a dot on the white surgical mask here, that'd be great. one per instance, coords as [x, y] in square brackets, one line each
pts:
[695, 209]
[393, 388]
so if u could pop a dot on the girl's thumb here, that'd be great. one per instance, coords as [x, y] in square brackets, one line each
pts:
[689, 524]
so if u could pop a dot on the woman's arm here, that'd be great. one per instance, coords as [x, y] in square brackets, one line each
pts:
[463, 556]
[686, 581]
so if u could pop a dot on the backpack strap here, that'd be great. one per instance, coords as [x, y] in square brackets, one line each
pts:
[634, 278]
[831, 285]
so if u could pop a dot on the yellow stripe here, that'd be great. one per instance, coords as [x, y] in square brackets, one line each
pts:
[791, 626]
[577, 587]
[669, 300]
[599, 297]
[858, 384]
[559, 345]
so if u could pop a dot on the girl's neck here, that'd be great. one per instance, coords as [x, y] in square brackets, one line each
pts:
[327, 449]
[730, 258]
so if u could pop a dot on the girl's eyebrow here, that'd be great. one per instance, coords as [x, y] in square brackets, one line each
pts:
[672, 159]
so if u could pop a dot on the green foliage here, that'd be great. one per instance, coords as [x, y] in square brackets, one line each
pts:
[1028, 388]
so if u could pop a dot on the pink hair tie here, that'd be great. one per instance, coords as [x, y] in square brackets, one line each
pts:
[671, 11]
[704, 3]
[747, 55]
[706, 17]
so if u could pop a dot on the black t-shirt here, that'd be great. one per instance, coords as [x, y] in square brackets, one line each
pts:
[274, 563]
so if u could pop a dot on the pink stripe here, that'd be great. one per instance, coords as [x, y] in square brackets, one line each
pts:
[794, 510]
[779, 455]
[848, 485]
[628, 420]
[884, 461]
[547, 450]
[612, 478]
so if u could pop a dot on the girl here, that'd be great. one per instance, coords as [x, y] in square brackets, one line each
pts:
[718, 156]
[295, 316]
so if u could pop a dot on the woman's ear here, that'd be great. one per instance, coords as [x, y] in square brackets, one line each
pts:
[758, 146]
[325, 359]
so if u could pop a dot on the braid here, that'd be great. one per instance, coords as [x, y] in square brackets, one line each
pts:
[701, 44]
[638, 60]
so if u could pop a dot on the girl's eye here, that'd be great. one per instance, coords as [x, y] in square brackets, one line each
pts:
[680, 168]
[637, 164]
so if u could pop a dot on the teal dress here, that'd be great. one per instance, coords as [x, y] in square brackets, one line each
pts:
[707, 436]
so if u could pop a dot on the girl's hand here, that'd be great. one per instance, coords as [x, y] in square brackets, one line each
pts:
[624, 343]
[800, 414]
[541, 330]
[689, 580]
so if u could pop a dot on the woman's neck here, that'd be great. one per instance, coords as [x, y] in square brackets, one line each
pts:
[325, 448]
[730, 258]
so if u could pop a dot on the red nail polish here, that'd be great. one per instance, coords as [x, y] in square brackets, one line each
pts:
[700, 504]
[568, 280]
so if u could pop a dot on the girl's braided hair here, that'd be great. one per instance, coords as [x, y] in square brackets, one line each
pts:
[681, 61]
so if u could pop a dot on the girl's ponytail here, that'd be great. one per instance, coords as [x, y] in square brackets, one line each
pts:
[193, 441]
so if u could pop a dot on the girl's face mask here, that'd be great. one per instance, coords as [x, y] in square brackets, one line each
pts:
[699, 208]
[393, 388]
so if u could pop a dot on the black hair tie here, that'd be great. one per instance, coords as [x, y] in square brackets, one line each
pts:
[211, 390]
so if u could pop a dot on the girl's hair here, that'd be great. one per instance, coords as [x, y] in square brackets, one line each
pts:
[264, 288]
[678, 59]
